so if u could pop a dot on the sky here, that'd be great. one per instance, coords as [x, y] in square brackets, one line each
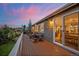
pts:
[19, 14]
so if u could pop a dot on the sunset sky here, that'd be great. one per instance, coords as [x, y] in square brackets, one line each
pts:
[19, 14]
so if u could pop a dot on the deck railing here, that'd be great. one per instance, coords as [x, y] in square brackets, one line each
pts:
[17, 47]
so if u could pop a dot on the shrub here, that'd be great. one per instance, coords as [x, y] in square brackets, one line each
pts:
[7, 34]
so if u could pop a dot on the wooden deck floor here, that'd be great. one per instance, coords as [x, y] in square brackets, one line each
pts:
[41, 48]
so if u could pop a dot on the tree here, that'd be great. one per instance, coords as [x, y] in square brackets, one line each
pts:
[29, 26]
[24, 27]
[4, 33]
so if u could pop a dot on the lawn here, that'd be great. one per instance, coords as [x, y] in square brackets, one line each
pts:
[6, 48]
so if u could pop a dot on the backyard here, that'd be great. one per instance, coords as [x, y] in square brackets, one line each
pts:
[6, 48]
[8, 38]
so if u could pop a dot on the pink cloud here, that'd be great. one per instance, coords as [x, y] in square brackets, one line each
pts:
[33, 12]
[26, 12]
[19, 11]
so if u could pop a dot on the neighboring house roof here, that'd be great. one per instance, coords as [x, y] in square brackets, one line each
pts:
[57, 11]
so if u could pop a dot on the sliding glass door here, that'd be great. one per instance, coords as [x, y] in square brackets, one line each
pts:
[71, 30]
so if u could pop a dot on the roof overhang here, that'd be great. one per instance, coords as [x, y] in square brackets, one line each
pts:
[67, 6]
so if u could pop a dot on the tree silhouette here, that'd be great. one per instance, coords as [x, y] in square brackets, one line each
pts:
[29, 26]
[24, 27]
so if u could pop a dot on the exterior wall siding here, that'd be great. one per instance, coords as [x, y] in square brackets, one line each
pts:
[41, 27]
[33, 28]
[48, 33]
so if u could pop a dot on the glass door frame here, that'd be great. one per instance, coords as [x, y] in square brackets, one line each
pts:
[78, 29]
[54, 30]
[64, 26]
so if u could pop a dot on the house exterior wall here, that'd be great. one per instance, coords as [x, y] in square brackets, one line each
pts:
[36, 28]
[48, 31]
[48, 34]
[58, 17]
[41, 27]
[33, 29]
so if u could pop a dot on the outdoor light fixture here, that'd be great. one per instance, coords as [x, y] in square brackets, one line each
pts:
[51, 23]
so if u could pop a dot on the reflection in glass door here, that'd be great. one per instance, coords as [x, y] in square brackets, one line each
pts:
[71, 30]
[58, 30]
